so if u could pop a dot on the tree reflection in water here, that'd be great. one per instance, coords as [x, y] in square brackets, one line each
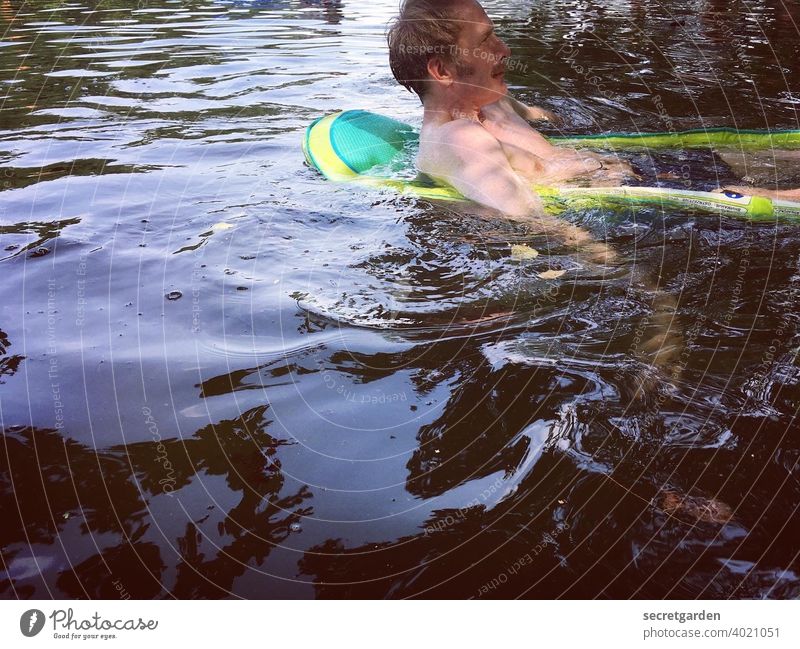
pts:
[62, 496]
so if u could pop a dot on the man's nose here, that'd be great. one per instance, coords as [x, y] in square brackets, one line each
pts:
[505, 50]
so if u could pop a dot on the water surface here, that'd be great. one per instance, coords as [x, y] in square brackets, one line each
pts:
[224, 377]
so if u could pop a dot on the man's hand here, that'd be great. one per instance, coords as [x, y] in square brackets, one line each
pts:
[536, 113]
[611, 171]
[533, 113]
[597, 252]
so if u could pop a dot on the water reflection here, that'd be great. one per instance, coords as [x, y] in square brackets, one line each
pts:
[112, 498]
[70, 493]
[356, 394]
[9, 363]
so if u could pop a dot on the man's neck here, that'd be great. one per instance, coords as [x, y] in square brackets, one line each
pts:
[441, 110]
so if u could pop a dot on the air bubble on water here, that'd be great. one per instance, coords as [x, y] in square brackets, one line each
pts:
[174, 295]
[295, 527]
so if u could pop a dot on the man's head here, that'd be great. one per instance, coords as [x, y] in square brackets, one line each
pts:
[447, 49]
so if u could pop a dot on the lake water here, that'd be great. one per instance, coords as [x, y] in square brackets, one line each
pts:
[222, 376]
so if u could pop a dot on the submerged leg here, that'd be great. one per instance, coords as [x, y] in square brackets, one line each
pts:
[665, 348]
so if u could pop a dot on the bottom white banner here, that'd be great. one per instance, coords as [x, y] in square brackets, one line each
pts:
[356, 624]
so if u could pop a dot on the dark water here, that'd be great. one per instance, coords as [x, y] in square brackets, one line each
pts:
[224, 377]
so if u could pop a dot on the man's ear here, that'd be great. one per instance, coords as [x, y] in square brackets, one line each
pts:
[439, 71]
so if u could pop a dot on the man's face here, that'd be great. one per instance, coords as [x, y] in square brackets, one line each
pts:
[481, 55]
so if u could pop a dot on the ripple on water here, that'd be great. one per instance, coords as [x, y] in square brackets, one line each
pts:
[398, 391]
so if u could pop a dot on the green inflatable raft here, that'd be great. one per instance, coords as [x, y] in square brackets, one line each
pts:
[372, 150]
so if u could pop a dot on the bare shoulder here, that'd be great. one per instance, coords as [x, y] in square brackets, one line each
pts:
[455, 140]
[455, 132]
[447, 145]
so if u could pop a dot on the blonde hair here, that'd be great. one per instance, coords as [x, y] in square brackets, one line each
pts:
[424, 29]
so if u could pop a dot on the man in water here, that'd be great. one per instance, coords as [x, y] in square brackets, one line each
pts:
[474, 136]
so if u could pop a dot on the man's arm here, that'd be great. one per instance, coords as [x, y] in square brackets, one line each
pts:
[532, 113]
[468, 157]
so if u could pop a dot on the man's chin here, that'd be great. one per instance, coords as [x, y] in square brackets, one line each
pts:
[501, 86]
[500, 79]
[488, 93]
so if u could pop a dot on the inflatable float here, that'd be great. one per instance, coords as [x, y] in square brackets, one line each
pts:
[372, 150]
